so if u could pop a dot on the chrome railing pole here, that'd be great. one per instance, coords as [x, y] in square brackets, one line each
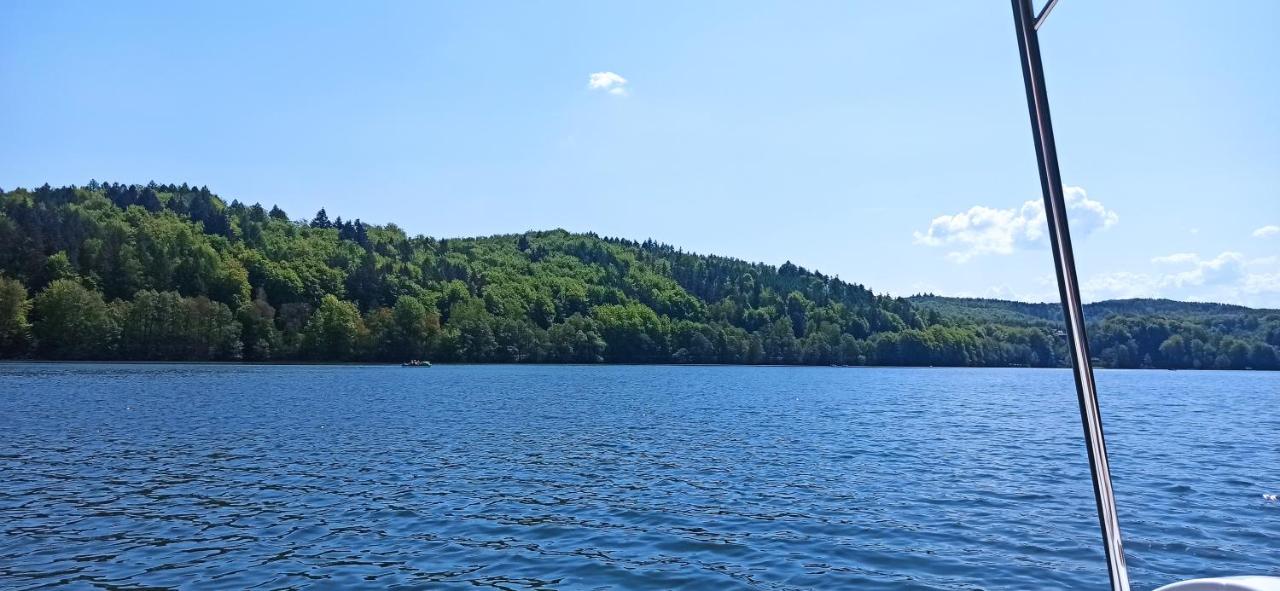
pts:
[1068, 287]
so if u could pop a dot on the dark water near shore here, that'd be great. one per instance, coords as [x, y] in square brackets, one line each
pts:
[119, 476]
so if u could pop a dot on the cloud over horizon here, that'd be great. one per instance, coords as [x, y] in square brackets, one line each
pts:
[1228, 277]
[608, 82]
[987, 230]
[1265, 231]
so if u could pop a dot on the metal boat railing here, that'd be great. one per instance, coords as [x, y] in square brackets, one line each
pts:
[1055, 208]
[1028, 22]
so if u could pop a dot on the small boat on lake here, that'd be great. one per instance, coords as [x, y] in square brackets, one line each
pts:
[416, 363]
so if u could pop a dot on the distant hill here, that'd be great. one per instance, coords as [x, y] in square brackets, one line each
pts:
[1052, 311]
[1137, 332]
[173, 272]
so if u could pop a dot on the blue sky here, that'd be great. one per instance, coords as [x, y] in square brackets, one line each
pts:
[885, 142]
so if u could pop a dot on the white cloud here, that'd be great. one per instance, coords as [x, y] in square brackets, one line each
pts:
[608, 82]
[1229, 277]
[1266, 231]
[1224, 269]
[1038, 289]
[987, 230]
[1044, 289]
[1264, 283]
[1120, 285]
[1182, 257]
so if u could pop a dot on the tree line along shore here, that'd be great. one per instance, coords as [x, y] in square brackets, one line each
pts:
[173, 272]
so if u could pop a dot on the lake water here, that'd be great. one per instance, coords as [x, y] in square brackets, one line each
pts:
[544, 477]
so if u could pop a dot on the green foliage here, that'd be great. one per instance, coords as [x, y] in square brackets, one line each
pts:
[576, 340]
[15, 330]
[167, 326]
[260, 337]
[174, 272]
[632, 332]
[58, 266]
[1137, 333]
[411, 332]
[334, 332]
[72, 322]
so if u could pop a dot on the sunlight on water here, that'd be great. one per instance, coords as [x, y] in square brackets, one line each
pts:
[123, 476]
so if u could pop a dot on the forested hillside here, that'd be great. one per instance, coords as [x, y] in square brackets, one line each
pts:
[164, 272]
[1138, 332]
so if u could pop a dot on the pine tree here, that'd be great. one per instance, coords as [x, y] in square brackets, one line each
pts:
[321, 220]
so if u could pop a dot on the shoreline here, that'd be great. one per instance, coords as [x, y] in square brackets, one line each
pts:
[392, 364]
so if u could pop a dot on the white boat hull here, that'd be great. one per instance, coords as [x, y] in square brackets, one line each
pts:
[1226, 584]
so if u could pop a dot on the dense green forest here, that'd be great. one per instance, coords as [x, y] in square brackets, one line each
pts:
[1140, 332]
[165, 272]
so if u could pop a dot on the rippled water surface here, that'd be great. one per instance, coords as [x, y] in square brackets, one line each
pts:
[158, 476]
